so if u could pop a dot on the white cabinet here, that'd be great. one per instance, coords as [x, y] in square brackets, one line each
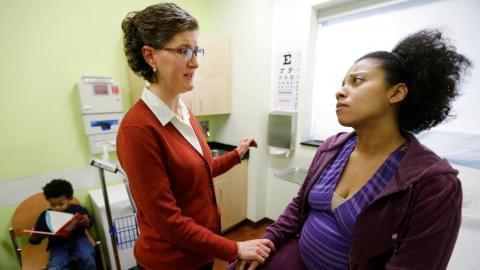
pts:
[122, 219]
[231, 194]
[211, 93]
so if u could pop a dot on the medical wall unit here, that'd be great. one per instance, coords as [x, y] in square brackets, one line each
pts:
[102, 111]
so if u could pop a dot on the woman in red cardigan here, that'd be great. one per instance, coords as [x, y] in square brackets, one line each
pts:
[161, 147]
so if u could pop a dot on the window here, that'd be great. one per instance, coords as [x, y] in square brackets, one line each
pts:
[343, 39]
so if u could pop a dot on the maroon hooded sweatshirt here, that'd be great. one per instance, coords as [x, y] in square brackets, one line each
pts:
[413, 224]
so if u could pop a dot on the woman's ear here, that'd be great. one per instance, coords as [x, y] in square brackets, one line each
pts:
[148, 56]
[399, 93]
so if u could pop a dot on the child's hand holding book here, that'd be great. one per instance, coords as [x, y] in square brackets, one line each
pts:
[61, 223]
[85, 221]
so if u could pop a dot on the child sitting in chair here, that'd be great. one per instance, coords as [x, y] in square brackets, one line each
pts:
[76, 246]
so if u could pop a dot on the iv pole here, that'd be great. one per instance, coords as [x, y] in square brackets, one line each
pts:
[102, 167]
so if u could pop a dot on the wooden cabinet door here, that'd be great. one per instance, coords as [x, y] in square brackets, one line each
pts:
[212, 79]
[231, 194]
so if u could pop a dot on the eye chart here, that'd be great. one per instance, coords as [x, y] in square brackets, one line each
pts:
[287, 72]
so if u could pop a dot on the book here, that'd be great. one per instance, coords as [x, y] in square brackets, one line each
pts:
[60, 223]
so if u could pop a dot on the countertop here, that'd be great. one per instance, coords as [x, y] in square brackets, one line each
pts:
[225, 147]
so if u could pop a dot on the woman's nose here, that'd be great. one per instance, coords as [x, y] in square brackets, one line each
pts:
[193, 62]
[340, 93]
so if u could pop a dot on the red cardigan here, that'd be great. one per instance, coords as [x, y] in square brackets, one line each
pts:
[172, 187]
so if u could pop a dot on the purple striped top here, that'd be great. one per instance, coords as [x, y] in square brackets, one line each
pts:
[326, 235]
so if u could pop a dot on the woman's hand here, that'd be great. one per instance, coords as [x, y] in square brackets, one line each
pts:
[255, 250]
[244, 144]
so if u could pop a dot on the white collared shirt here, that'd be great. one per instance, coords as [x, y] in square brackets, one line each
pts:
[165, 115]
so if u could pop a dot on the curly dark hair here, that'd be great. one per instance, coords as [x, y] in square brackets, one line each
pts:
[432, 69]
[58, 188]
[154, 26]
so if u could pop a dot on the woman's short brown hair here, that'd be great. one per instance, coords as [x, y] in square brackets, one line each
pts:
[154, 26]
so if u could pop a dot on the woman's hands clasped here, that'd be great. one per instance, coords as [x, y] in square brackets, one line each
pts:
[256, 250]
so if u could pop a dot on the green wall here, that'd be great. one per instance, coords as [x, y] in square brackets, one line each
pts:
[45, 47]
[8, 259]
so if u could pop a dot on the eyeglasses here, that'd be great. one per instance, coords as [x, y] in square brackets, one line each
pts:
[186, 53]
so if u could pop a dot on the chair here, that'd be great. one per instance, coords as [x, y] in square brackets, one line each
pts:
[33, 257]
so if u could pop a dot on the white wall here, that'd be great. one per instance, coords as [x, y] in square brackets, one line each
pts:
[248, 25]
[258, 31]
[294, 22]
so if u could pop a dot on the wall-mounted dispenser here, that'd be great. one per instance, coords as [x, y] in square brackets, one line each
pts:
[281, 133]
[102, 111]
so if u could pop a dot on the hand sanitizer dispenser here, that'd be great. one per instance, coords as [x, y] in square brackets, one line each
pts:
[281, 133]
